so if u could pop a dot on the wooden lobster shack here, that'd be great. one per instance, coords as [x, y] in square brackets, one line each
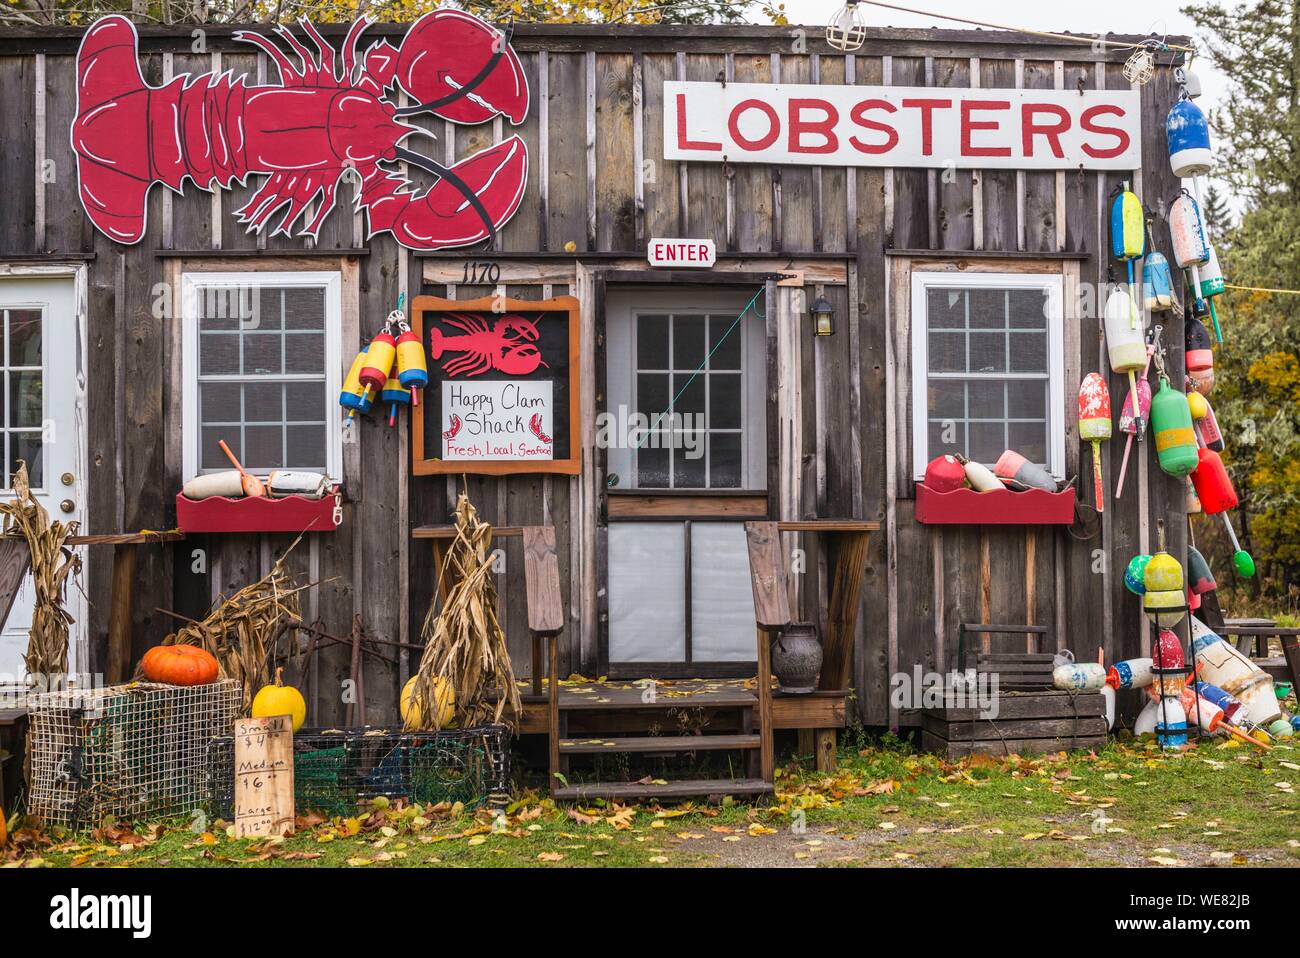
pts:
[697, 306]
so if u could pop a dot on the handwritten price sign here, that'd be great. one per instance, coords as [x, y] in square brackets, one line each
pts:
[264, 776]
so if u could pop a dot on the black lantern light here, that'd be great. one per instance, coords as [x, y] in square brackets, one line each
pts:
[823, 314]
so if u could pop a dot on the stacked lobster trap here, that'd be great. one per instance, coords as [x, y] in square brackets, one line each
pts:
[334, 769]
[128, 751]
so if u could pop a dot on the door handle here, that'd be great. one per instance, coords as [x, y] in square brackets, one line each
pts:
[67, 505]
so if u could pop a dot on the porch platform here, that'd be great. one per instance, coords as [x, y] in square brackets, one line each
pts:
[586, 703]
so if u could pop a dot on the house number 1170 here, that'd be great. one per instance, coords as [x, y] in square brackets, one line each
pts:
[477, 272]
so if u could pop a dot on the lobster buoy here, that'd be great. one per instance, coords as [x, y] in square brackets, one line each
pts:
[1187, 231]
[379, 361]
[1162, 573]
[1015, 467]
[1135, 574]
[1128, 235]
[1171, 723]
[1222, 664]
[354, 397]
[1212, 285]
[1200, 577]
[412, 371]
[1125, 343]
[1158, 282]
[1165, 609]
[1212, 483]
[395, 394]
[945, 474]
[1207, 424]
[1189, 140]
[979, 476]
[1233, 710]
[1198, 347]
[1171, 422]
[1130, 674]
[1201, 381]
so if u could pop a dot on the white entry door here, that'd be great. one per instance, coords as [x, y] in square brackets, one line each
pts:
[39, 341]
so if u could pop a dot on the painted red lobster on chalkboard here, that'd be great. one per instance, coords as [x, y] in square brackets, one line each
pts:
[326, 116]
[508, 345]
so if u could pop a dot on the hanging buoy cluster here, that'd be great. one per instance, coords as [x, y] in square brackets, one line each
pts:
[392, 367]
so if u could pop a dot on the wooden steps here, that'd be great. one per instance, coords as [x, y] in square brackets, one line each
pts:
[683, 788]
[659, 743]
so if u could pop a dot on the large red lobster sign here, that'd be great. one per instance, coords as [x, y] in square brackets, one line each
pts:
[330, 114]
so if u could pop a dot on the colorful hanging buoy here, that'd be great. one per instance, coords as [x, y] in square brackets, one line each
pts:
[1171, 422]
[1206, 423]
[354, 397]
[1157, 282]
[1212, 285]
[1214, 488]
[395, 394]
[1095, 425]
[1187, 232]
[1135, 574]
[1198, 348]
[1188, 136]
[412, 370]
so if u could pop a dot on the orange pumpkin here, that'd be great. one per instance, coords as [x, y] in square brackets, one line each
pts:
[180, 665]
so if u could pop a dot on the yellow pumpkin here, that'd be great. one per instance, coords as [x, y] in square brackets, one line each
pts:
[413, 718]
[280, 699]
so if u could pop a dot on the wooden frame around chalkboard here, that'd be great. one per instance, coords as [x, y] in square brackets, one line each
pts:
[492, 305]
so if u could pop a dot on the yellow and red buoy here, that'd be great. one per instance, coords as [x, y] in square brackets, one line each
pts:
[412, 371]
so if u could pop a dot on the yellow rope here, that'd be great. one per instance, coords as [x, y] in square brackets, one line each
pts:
[1264, 289]
[1033, 33]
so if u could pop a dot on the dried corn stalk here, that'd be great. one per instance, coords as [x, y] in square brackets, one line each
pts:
[463, 643]
[242, 630]
[52, 563]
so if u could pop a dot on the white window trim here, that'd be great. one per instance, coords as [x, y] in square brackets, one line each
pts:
[190, 285]
[1053, 284]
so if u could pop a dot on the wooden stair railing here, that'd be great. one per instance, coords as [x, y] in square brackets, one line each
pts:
[545, 622]
[771, 616]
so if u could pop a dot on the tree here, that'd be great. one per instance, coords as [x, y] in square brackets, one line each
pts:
[1257, 133]
[78, 12]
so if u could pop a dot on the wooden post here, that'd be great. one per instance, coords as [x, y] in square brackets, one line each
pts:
[119, 617]
[767, 756]
[771, 614]
[545, 621]
[826, 749]
[1031, 557]
[842, 617]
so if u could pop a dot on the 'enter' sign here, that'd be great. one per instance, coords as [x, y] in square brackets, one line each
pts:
[682, 252]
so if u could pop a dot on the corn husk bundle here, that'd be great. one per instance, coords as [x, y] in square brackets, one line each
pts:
[52, 563]
[464, 645]
[242, 630]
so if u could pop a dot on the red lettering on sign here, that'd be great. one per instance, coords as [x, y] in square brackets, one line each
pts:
[927, 108]
[858, 115]
[825, 127]
[1086, 121]
[968, 126]
[1029, 128]
[764, 141]
[682, 142]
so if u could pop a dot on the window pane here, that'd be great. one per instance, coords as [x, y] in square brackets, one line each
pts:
[652, 394]
[1027, 398]
[987, 442]
[262, 353]
[222, 307]
[1029, 353]
[25, 406]
[988, 308]
[947, 399]
[1028, 309]
[306, 446]
[1030, 440]
[947, 352]
[724, 460]
[946, 438]
[27, 447]
[688, 342]
[988, 353]
[652, 342]
[270, 310]
[691, 398]
[647, 592]
[219, 354]
[24, 337]
[219, 402]
[724, 401]
[263, 402]
[987, 399]
[263, 448]
[304, 307]
[946, 308]
[304, 402]
[210, 454]
[652, 467]
[304, 353]
[728, 353]
[688, 461]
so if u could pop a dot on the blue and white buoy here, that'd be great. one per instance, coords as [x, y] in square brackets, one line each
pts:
[1188, 134]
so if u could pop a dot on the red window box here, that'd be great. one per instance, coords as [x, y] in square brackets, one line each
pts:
[287, 514]
[1001, 507]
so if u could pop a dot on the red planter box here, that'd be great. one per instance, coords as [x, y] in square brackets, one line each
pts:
[290, 514]
[1001, 507]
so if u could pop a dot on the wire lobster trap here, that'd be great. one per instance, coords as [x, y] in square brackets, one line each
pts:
[130, 751]
[334, 769]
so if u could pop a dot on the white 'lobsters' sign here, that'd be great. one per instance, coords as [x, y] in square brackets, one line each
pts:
[902, 126]
[497, 420]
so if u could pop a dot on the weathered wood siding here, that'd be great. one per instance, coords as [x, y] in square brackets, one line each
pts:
[598, 188]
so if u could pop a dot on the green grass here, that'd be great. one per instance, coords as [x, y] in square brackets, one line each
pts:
[885, 805]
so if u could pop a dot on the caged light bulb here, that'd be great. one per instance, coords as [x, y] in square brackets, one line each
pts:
[847, 31]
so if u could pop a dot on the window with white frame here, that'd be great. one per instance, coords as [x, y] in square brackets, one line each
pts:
[987, 368]
[262, 371]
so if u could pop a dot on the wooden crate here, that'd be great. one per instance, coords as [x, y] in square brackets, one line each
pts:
[1027, 723]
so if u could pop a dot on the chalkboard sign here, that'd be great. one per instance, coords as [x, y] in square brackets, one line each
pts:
[503, 394]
